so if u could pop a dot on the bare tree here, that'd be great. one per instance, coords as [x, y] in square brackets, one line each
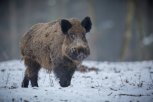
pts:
[128, 30]
[13, 27]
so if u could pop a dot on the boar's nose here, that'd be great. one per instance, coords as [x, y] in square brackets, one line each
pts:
[81, 50]
[78, 50]
[73, 53]
[79, 53]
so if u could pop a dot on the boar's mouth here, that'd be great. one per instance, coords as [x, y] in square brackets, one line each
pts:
[78, 54]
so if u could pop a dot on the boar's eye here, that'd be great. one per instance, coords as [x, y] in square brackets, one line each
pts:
[72, 35]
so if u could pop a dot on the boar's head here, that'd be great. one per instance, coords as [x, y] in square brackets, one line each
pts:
[75, 45]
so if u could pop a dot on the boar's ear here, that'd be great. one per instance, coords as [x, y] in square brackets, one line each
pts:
[65, 25]
[86, 23]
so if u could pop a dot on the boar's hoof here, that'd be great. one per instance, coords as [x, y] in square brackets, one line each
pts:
[25, 83]
[64, 84]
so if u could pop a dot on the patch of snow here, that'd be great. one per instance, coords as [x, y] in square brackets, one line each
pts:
[115, 82]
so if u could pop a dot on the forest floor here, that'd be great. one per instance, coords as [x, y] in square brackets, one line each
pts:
[113, 82]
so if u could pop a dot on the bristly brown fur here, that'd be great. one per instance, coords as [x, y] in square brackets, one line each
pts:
[45, 45]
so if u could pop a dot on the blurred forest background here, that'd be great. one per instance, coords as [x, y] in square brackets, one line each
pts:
[122, 29]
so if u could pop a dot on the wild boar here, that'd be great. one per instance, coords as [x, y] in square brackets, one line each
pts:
[58, 46]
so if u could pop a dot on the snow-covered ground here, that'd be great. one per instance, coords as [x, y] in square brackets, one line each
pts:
[115, 82]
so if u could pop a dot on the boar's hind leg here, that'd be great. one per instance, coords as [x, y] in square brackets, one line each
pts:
[31, 73]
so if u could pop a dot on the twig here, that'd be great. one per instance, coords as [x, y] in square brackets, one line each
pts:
[51, 81]
[109, 94]
[122, 81]
[44, 79]
[139, 95]
[7, 79]
[151, 77]
[140, 84]
[113, 89]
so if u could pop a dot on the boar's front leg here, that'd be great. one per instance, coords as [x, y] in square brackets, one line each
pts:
[64, 73]
[31, 73]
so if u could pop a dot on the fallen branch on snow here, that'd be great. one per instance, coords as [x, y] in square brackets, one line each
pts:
[83, 69]
[139, 95]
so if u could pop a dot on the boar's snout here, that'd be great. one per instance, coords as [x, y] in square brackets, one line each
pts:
[79, 53]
